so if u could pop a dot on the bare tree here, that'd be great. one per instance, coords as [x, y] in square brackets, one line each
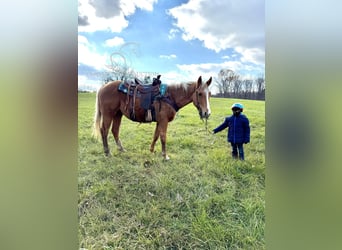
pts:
[247, 85]
[231, 85]
[225, 82]
[237, 87]
[260, 84]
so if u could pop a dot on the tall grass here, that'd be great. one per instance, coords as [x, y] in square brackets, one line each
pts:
[200, 199]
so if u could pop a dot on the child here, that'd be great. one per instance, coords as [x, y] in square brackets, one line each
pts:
[238, 130]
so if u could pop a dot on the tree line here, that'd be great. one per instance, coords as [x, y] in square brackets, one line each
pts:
[231, 85]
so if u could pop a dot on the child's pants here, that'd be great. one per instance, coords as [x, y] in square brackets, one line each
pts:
[237, 147]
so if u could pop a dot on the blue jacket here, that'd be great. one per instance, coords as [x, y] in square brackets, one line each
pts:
[238, 128]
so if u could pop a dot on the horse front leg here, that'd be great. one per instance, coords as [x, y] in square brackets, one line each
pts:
[162, 132]
[155, 138]
[116, 129]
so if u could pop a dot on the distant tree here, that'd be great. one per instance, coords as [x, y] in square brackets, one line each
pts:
[260, 85]
[231, 85]
[225, 82]
[247, 86]
[237, 87]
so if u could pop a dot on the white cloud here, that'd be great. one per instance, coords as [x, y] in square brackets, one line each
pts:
[96, 19]
[191, 72]
[212, 69]
[173, 33]
[82, 40]
[95, 15]
[86, 84]
[171, 77]
[208, 68]
[254, 55]
[128, 7]
[88, 55]
[116, 41]
[224, 24]
[187, 75]
[144, 4]
[172, 56]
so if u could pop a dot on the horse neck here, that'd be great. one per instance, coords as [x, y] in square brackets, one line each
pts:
[182, 95]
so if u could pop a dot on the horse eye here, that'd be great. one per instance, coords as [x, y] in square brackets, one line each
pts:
[200, 94]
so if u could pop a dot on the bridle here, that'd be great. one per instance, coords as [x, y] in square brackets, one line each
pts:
[197, 105]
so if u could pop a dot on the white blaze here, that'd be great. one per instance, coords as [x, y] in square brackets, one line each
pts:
[207, 98]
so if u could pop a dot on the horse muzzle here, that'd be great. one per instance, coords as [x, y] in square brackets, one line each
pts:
[204, 115]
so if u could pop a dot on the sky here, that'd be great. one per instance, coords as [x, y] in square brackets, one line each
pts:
[180, 40]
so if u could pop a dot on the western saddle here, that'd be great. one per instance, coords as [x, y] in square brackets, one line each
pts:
[147, 93]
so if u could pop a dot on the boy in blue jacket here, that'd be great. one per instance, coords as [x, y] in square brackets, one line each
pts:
[238, 130]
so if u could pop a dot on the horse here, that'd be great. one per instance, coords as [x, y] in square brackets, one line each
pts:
[111, 104]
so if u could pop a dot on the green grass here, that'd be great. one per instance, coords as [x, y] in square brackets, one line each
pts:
[200, 199]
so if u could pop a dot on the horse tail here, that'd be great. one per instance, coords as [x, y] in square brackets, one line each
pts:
[97, 118]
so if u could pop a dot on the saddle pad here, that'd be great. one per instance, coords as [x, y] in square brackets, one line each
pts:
[162, 89]
[124, 89]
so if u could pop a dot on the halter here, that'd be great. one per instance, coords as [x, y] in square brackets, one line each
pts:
[197, 105]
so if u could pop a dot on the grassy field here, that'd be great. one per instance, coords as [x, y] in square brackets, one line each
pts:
[200, 199]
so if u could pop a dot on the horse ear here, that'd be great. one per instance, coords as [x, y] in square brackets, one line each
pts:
[199, 82]
[209, 81]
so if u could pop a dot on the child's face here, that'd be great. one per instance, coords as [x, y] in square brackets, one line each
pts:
[236, 111]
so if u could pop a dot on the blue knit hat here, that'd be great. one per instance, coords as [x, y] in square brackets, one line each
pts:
[237, 105]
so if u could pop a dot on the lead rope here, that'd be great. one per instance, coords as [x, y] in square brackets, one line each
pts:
[206, 125]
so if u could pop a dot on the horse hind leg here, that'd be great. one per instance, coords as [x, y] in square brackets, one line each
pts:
[104, 133]
[116, 129]
[155, 138]
[160, 131]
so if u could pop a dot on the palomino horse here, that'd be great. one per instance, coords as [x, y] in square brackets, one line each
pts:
[111, 104]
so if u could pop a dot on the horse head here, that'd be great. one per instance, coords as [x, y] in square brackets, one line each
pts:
[201, 97]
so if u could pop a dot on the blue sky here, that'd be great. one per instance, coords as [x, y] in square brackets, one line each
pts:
[180, 40]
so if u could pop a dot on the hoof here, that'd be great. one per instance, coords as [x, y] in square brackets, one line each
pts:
[166, 157]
